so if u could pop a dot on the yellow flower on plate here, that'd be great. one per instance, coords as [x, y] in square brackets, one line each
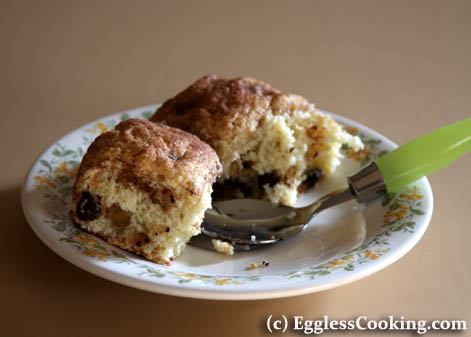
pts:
[372, 256]
[358, 155]
[100, 255]
[102, 127]
[223, 281]
[98, 128]
[62, 169]
[412, 194]
[86, 239]
[42, 182]
[352, 131]
[334, 263]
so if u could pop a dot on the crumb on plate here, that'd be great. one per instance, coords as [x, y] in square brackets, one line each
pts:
[223, 247]
[254, 265]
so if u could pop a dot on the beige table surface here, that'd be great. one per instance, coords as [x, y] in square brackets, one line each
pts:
[401, 67]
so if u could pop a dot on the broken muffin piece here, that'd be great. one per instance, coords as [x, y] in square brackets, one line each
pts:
[271, 144]
[145, 187]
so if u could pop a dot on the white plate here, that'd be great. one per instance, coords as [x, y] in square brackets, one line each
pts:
[341, 245]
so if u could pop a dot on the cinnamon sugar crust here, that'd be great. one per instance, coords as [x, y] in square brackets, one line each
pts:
[217, 108]
[149, 151]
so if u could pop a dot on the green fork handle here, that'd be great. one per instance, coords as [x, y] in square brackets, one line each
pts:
[425, 155]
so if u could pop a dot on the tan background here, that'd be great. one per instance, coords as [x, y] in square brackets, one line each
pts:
[400, 67]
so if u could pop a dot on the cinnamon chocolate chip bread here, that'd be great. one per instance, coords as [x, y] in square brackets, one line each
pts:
[144, 187]
[271, 144]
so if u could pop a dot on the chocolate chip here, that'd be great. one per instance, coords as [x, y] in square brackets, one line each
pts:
[270, 179]
[218, 191]
[245, 189]
[229, 189]
[312, 177]
[173, 157]
[88, 207]
[167, 229]
[246, 164]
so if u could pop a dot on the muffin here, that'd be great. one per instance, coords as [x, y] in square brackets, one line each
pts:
[144, 187]
[272, 145]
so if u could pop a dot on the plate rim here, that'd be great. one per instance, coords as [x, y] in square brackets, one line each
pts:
[221, 293]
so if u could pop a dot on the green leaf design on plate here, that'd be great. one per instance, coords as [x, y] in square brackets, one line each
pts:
[147, 114]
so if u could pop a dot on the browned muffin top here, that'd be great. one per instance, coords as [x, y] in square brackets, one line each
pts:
[218, 108]
[139, 148]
